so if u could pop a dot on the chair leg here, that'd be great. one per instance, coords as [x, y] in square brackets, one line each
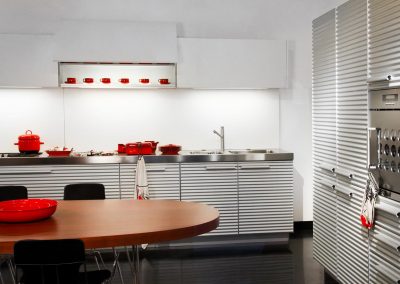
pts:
[12, 269]
[116, 266]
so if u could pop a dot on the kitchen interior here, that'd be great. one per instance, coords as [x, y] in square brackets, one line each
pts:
[282, 115]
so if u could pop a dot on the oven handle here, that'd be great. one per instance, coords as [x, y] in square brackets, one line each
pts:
[378, 137]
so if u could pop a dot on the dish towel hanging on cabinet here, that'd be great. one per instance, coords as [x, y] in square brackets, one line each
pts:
[141, 185]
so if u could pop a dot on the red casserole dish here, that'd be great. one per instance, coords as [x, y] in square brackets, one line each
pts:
[139, 148]
[170, 149]
[58, 153]
[29, 143]
[26, 210]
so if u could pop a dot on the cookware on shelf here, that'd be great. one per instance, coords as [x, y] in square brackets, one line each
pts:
[170, 149]
[29, 143]
[26, 210]
[139, 148]
[56, 152]
[121, 148]
[153, 145]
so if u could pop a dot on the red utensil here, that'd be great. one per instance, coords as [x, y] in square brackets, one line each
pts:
[88, 80]
[70, 81]
[124, 80]
[153, 145]
[164, 81]
[55, 153]
[139, 148]
[121, 148]
[26, 210]
[29, 143]
[105, 80]
[170, 149]
[144, 81]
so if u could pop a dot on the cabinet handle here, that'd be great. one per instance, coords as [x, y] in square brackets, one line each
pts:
[265, 167]
[328, 167]
[343, 190]
[211, 168]
[378, 138]
[28, 171]
[160, 169]
[344, 173]
[387, 240]
[326, 183]
[388, 209]
[387, 272]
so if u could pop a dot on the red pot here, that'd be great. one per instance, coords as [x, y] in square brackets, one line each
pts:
[29, 143]
[139, 148]
[153, 145]
[121, 148]
[170, 149]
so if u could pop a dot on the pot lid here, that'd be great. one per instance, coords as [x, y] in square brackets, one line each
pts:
[29, 136]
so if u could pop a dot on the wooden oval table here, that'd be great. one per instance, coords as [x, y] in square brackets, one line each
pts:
[112, 223]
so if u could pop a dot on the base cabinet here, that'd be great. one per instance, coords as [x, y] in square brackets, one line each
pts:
[214, 184]
[265, 197]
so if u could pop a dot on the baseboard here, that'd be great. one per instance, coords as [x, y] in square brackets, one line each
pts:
[303, 225]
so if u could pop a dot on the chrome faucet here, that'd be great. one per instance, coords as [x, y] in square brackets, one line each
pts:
[221, 135]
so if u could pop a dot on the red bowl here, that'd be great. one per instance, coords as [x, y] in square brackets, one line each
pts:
[58, 153]
[170, 149]
[26, 210]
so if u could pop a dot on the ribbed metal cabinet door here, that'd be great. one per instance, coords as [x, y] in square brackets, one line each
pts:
[163, 180]
[49, 181]
[265, 197]
[127, 180]
[385, 244]
[384, 41]
[324, 139]
[352, 122]
[214, 184]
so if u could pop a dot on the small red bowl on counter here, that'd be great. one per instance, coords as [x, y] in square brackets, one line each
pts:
[26, 210]
[170, 149]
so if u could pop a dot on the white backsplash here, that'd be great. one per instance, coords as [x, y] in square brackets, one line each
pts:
[99, 119]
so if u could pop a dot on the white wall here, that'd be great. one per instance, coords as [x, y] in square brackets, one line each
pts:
[100, 119]
[264, 19]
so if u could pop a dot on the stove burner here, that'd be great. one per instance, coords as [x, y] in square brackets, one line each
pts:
[14, 155]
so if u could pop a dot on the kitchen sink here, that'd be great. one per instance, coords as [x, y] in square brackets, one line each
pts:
[205, 152]
[251, 151]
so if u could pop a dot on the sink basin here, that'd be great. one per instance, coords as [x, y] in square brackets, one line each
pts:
[205, 152]
[251, 151]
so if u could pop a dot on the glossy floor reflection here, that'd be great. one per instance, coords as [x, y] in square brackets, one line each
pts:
[245, 264]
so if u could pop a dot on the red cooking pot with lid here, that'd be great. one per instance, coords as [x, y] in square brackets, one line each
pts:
[153, 145]
[139, 148]
[29, 143]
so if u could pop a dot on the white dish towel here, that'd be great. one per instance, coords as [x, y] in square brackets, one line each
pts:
[141, 185]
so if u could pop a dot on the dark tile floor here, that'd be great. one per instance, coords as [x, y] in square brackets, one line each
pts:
[249, 264]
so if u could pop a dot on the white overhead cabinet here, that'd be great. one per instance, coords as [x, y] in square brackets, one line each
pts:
[116, 41]
[27, 61]
[231, 63]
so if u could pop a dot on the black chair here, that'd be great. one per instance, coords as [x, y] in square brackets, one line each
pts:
[12, 192]
[54, 262]
[84, 191]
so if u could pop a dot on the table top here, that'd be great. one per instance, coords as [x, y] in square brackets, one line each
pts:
[111, 223]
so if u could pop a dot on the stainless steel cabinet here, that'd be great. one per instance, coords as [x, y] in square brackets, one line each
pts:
[384, 41]
[352, 122]
[339, 138]
[49, 181]
[385, 243]
[163, 179]
[265, 197]
[324, 140]
[214, 184]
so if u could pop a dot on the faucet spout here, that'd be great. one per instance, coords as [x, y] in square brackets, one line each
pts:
[221, 135]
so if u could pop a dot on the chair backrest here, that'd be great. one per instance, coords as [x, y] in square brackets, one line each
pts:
[49, 261]
[12, 192]
[84, 191]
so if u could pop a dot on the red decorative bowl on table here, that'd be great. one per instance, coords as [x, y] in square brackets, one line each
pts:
[26, 210]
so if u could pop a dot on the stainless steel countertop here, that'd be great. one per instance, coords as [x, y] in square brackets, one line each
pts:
[277, 155]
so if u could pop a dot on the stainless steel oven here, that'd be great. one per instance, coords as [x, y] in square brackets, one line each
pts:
[384, 140]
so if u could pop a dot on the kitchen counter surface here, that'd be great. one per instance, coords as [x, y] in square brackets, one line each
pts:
[277, 155]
